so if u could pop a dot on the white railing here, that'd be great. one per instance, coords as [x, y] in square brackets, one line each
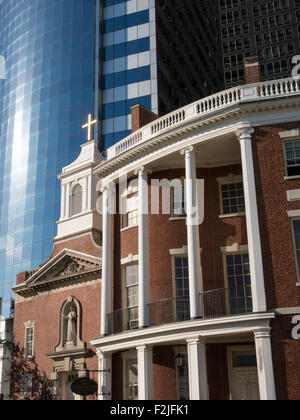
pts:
[211, 104]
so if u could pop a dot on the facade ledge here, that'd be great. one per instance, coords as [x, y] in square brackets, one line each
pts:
[128, 228]
[291, 178]
[181, 331]
[227, 216]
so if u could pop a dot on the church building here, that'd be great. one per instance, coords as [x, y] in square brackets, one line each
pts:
[175, 269]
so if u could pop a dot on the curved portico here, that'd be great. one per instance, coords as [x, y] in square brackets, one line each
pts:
[218, 302]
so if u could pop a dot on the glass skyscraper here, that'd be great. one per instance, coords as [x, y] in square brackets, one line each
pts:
[66, 59]
[47, 93]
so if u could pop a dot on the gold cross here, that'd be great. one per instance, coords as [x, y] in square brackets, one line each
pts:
[89, 125]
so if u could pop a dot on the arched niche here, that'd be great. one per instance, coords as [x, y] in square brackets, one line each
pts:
[70, 326]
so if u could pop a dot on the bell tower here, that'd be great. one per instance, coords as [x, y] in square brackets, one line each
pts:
[78, 213]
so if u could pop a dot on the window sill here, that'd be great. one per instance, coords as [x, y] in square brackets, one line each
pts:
[172, 219]
[226, 216]
[128, 228]
[291, 178]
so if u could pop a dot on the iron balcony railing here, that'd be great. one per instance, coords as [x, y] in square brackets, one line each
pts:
[167, 311]
[123, 320]
[214, 304]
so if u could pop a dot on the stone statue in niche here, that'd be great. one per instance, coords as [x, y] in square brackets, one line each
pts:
[71, 319]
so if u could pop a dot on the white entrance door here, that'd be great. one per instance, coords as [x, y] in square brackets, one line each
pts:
[245, 387]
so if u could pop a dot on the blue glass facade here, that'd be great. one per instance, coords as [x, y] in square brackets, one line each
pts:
[52, 53]
[48, 91]
[129, 64]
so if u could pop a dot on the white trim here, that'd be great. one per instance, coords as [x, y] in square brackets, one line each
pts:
[288, 311]
[179, 251]
[290, 134]
[293, 213]
[129, 227]
[227, 216]
[291, 178]
[130, 259]
[236, 247]
[28, 325]
[177, 332]
[293, 195]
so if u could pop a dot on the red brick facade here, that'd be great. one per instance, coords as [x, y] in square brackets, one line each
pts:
[166, 234]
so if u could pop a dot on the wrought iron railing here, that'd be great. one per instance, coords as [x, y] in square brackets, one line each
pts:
[167, 311]
[225, 302]
[214, 304]
[123, 320]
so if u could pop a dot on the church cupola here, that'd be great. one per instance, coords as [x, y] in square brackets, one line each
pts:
[78, 193]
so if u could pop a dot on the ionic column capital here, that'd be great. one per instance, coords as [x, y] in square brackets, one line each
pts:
[244, 133]
[187, 151]
[142, 171]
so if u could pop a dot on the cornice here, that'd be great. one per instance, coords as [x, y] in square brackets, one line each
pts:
[240, 111]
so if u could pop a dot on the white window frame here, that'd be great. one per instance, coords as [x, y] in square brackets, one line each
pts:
[290, 140]
[125, 222]
[29, 325]
[172, 201]
[129, 355]
[229, 179]
[125, 291]
[174, 256]
[234, 250]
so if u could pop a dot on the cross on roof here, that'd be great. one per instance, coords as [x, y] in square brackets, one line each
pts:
[89, 125]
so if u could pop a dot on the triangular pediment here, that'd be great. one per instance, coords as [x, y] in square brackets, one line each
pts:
[67, 264]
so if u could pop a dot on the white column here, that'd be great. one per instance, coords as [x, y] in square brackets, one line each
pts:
[198, 384]
[192, 233]
[68, 200]
[63, 202]
[253, 232]
[265, 364]
[85, 194]
[145, 372]
[104, 376]
[91, 192]
[143, 248]
[106, 292]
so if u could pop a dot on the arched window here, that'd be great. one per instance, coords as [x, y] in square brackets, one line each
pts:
[76, 206]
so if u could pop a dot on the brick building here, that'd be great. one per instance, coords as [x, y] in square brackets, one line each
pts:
[180, 290]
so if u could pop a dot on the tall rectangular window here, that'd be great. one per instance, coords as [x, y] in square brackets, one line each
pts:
[130, 219]
[182, 301]
[131, 379]
[292, 157]
[232, 195]
[132, 294]
[239, 283]
[29, 342]
[178, 202]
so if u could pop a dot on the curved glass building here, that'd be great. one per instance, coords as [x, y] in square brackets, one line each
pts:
[65, 59]
[48, 46]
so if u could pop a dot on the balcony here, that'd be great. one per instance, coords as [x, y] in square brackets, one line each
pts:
[214, 303]
[204, 108]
